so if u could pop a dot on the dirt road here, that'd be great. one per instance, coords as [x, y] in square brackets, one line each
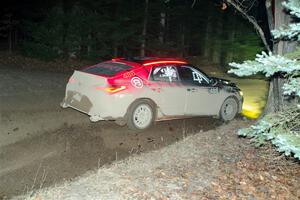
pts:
[42, 144]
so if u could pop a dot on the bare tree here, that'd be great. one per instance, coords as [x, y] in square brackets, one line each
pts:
[144, 31]
[243, 7]
[8, 30]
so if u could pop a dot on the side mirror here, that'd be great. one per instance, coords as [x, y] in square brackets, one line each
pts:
[213, 81]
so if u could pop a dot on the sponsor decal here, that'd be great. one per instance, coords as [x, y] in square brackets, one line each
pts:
[137, 82]
[128, 74]
[213, 90]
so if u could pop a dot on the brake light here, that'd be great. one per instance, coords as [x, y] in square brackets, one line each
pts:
[114, 89]
[164, 62]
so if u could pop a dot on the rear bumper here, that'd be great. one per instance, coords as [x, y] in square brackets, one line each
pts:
[77, 101]
[97, 105]
[93, 118]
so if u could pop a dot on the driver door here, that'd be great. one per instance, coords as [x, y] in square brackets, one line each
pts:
[201, 97]
[171, 94]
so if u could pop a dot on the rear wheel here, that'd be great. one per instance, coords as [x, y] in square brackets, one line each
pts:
[229, 109]
[140, 115]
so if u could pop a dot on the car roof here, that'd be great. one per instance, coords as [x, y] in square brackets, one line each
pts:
[151, 60]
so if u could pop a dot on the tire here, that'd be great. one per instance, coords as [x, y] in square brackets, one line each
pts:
[140, 115]
[229, 109]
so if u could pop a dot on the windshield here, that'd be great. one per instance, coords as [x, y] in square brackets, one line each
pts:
[107, 68]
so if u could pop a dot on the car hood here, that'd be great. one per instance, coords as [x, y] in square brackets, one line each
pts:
[222, 82]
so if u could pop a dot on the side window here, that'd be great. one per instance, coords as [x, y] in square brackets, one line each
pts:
[190, 76]
[165, 73]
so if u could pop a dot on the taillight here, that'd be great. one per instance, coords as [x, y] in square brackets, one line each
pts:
[114, 89]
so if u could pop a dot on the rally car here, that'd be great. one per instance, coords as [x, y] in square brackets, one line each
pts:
[139, 91]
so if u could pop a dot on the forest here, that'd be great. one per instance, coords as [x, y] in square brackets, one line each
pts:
[98, 30]
[248, 48]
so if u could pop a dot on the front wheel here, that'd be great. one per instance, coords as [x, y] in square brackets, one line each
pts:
[140, 115]
[229, 109]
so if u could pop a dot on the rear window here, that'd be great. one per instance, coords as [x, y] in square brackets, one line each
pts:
[108, 69]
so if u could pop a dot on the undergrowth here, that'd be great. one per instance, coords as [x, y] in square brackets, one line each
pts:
[282, 129]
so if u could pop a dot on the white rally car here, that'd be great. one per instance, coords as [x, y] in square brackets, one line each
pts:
[139, 91]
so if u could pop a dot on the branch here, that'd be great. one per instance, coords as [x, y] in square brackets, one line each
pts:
[194, 2]
[252, 21]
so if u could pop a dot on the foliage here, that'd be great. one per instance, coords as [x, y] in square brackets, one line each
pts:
[81, 31]
[293, 30]
[244, 46]
[293, 6]
[292, 87]
[282, 128]
[45, 37]
[99, 30]
[268, 64]
[290, 32]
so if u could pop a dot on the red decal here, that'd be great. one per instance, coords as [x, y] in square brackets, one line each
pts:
[137, 82]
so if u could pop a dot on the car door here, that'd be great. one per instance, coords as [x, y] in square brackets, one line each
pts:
[166, 84]
[201, 97]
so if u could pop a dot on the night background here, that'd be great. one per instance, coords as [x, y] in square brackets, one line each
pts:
[99, 30]
[45, 146]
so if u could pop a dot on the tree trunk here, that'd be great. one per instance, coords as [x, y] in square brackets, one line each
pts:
[144, 32]
[182, 41]
[10, 40]
[65, 27]
[216, 55]
[16, 37]
[232, 35]
[270, 17]
[276, 100]
[10, 34]
[115, 51]
[207, 40]
[162, 27]
[89, 47]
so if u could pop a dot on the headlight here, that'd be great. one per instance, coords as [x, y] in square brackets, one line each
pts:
[241, 93]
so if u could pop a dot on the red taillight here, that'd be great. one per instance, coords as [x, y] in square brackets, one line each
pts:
[114, 89]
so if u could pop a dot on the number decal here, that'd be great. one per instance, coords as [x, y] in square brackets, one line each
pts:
[137, 82]
[213, 90]
[197, 77]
